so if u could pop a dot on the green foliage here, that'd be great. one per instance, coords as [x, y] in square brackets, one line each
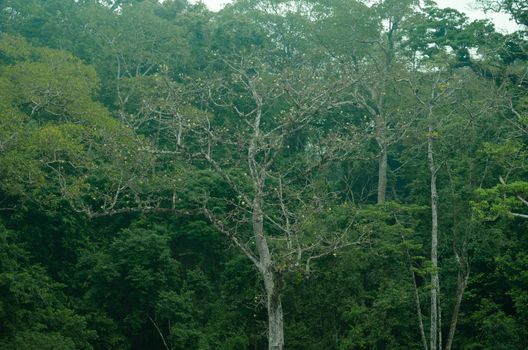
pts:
[34, 311]
[104, 243]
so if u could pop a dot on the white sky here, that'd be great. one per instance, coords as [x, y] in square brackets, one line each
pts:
[501, 21]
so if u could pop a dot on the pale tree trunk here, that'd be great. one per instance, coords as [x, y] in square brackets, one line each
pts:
[381, 138]
[382, 175]
[273, 294]
[435, 330]
[275, 316]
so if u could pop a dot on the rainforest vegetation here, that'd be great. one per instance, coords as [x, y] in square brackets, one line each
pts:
[300, 174]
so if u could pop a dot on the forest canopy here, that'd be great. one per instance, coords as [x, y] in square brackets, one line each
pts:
[302, 174]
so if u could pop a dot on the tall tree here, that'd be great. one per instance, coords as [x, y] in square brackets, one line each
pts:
[264, 113]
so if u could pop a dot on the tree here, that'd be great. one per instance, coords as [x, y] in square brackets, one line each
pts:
[263, 109]
[445, 103]
[372, 55]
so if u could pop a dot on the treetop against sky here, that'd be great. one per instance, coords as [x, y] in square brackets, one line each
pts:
[469, 7]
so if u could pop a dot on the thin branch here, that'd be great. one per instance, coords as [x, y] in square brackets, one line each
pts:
[519, 215]
[159, 332]
[232, 235]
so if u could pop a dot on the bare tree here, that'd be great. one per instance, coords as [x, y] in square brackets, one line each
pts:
[267, 107]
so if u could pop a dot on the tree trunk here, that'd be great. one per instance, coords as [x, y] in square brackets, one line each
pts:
[439, 307]
[381, 138]
[416, 299]
[274, 304]
[275, 316]
[381, 119]
[418, 305]
[461, 286]
[382, 175]
[435, 331]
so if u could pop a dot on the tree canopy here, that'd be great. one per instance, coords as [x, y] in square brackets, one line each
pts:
[277, 175]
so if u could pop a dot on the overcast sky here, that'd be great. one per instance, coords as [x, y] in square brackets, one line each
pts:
[502, 21]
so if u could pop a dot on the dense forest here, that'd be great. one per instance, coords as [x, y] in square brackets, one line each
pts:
[300, 174]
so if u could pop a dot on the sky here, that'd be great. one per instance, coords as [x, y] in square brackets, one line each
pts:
[501, 21]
